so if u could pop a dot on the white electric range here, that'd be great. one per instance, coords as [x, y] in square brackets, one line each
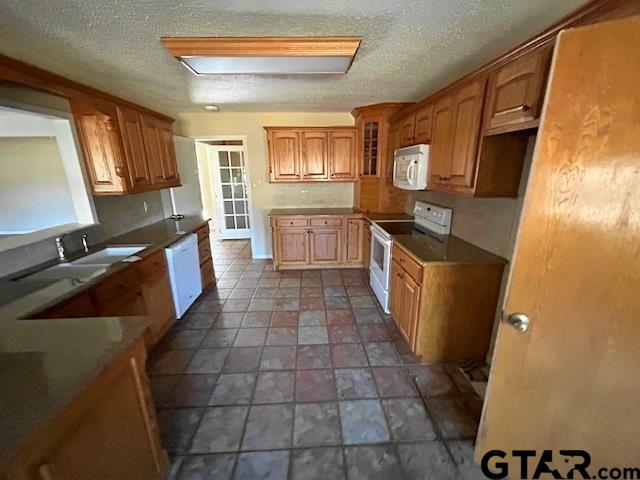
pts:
[429, 219]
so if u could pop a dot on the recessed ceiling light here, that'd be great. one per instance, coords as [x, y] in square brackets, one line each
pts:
[264, 55]
[211, 108]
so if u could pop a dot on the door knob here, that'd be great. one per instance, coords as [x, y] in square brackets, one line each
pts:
[519, 321]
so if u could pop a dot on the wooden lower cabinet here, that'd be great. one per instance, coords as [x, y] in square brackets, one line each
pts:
[207, 273]
[156, 291]
[325, 246]
[78, 306]
[108, 432]
[119, 294]
[292, 246]
[446, 311]
[319, 241]
[405, 302]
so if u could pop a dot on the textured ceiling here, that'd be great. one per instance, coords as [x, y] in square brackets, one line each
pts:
[409, 48]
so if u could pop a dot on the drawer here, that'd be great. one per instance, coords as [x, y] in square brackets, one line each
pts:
[118, 285]
[326, 221]
[410, 266]
[150, 265]
[204, 250]
[292, 221]
[202, 232]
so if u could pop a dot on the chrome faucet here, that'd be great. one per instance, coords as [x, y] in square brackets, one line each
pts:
[60, 247]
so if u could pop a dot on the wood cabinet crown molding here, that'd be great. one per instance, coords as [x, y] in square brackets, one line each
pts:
[591, 12]
[27, 75]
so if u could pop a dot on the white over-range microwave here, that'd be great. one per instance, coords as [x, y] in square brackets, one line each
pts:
[410, 165]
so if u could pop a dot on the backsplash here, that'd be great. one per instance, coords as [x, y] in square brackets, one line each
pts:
[117, 215]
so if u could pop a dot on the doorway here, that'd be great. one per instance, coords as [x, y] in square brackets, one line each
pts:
[225, 181]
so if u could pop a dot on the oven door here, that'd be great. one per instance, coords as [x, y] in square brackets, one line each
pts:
[380, 260]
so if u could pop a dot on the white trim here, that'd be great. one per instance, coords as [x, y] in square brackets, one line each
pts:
[243, 139]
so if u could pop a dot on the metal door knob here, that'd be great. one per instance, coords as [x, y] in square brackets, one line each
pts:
[519, 321]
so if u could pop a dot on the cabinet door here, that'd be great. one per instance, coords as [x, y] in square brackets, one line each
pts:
[441, 141]
[407, 131]
[466, 133]
[315, 155]
[342, 154]
[516, 90]
[422, 129]
[393, 145]
[405, 302]
[355, 240]
[370, 149]
[284, 158]
[76, 307]
[102, 147]
[325, 245]
[131, 132]
[153, 148]
[168, 153]
[292, 246]
[156, 291]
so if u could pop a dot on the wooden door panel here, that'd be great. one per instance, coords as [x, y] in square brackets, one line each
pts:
[407, 129]
[422, 129]
[153, 147]
[131, 131]
[396, 291]
[441, 140]
[285, 155]
[571, 380]
[315, 155]
[466, 132]
[355, 240]
[102, 147]
[342, 154]
[325, 245]
[168, 152]
[292, 246]
[515, 91]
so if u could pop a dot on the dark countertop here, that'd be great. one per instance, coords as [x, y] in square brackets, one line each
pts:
[443, 249]
[371, 216]
[25, 296]
[44, 364]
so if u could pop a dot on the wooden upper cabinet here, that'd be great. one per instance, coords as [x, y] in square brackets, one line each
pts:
[168, 153]
[134, 148]
[422, 125]
[371, 151]
[284, 155]
[315, 155]
[101, 146]
[467, 115]
[152, 147]
[125, 151]
[441, 141]
[342, 154]
[312, 154]
[516, 90]
[407, 126]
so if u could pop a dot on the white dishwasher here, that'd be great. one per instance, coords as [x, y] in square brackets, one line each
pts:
[184, 272]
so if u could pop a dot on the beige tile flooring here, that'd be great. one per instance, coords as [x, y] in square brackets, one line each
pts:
[298, 375]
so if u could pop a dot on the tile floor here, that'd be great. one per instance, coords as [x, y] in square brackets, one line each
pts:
[298, 375]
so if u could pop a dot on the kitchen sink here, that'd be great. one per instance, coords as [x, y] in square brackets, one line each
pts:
[109, 255]
[68, 270]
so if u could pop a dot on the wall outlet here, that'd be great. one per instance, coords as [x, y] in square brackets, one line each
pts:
[145, 205]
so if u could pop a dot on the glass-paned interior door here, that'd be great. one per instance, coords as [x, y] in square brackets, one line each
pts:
[232, 199]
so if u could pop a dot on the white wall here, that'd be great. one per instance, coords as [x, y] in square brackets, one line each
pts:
[33, 186]
[265, 195]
